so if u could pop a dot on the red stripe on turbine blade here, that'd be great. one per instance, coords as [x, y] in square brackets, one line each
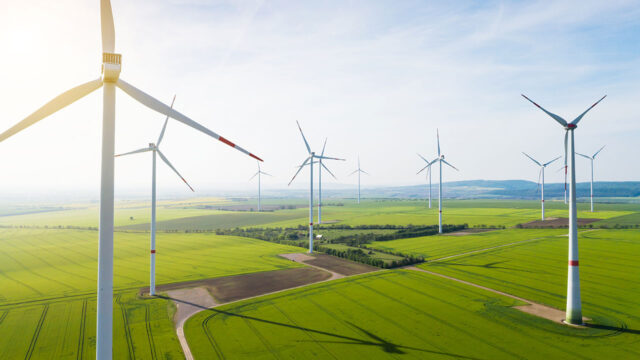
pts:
[310, 224]
[573, 262]
[255, 157]
[153, 251]
[226, 141]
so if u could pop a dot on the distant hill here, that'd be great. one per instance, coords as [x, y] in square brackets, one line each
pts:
[502, 189]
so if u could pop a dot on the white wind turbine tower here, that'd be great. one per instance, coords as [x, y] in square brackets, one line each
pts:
[155, 149]
[428, 168]
[258, 174]
[359, 171]
[310, 160]
[109, 80]
[591, 158]
[320, 181]
[574, 304]
[441, 160]
[541, 176]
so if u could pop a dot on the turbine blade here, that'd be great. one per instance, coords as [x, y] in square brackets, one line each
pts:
[584, 156]
[156, 105]
[174, 169]
[328, 158]
[264, 173]
[555, 117]
[164, 127]
[423, 158]
[539, 177]
[52, 106]
[434, 161]
[134, 152]
[106, 24]
[445, 161]
[438, 136]
[299, 169]
[532, 159]
[577, 120]
[428, 166]
[323, 146]
[353, 172]
[254, 175]
[364, 172]
[326, 168]
[304, 138]
[598, 152]
[552, 161]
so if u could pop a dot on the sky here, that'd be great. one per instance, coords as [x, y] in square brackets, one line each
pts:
[377, 78]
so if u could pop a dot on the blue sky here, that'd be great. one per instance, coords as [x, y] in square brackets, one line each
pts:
[375, 77]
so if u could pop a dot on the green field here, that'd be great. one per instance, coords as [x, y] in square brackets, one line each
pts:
[393, 314]
[48, 284]
[431, 247]
[609, 272]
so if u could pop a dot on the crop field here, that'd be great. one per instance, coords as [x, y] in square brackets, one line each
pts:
[436, 246]
[393, 314]
[609, 273]
[44, 263]
[66, 329]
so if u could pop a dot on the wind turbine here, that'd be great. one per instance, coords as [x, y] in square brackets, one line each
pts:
[574, 304]
[155, 149]
[109, 80]
[359, 171]
[428, 167]
[320, 181]
[258, 174]
[591, 158]
[541, 176]
[310, 160]
[440, 159]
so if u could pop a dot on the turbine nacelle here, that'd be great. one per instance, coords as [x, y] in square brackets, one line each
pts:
[111, 66]
[571, 126]
[152, 146]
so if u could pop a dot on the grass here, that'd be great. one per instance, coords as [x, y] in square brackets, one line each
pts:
[392, 314]
[45, 263]
[143, 329]
[609, 273]
[436, 246]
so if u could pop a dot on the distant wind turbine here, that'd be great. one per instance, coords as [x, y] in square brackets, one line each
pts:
[320, 181]
[310, 160]
[258, 174]
[155, 148]
[359, 171]
[109, 80]
[591, 158]
[441, 160]
[428, 168]
[574, 303]
[541, 177]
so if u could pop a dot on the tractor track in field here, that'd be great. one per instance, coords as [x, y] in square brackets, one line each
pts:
[4, 315]
[127, 330]
[147, 320]
[83, 325]
[36, 334]
[212, 341]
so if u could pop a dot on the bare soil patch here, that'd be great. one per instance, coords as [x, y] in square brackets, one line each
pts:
[232, 288]
[468, 232]
[299, 257]
[553, 223]
[339, 265]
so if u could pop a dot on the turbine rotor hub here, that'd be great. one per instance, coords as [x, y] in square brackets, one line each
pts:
[111, 65]
[571, 126]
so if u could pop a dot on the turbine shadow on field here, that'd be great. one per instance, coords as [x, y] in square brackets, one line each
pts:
[615, 329]
[385, 345]
[491, 265]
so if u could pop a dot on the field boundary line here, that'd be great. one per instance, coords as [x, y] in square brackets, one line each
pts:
[499, 246]
[83, 325]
